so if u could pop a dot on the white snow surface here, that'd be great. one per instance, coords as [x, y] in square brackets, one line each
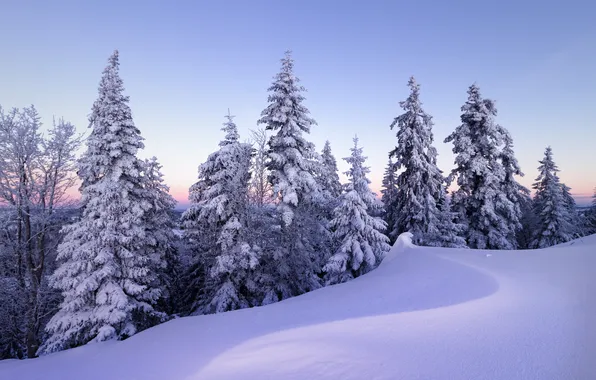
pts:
[425, 313]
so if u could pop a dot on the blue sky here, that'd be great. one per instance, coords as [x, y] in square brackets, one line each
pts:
[185, 63]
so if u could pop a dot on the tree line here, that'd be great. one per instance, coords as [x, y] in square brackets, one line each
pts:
[267, 220]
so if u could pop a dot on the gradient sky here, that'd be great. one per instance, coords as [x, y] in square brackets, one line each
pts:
[185, 63]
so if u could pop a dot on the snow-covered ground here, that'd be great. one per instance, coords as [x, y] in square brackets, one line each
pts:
[425, 313]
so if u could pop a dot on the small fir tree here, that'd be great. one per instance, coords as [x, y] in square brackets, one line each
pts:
[449, 232]
[574, 219]
[220, 200]
[518, 195]
[362, 244]
[389, 196]
[329, 178]
[552, 213]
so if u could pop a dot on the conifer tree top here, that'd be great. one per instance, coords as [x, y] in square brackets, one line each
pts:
[285, 108]
[547, 176]
[478, 138]
[229, 127]
[328, 158]
[329, 176]
[413, 101]
[114, 139]
[477, 108]
[327, 148]
[414, 132]
[357, 172]
[111, 90]
[113, 60]
[389, 184]
[547, 167]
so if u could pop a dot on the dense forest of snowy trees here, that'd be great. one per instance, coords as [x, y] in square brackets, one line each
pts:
[268, 220]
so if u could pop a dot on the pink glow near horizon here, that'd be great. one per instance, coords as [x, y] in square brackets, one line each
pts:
[582, 195]
[180, 193]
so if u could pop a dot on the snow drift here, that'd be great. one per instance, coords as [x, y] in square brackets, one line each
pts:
[425, 313]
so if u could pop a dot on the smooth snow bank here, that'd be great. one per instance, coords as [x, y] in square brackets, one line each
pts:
[425, 313]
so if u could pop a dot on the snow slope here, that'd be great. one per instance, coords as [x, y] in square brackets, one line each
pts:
[425, 313]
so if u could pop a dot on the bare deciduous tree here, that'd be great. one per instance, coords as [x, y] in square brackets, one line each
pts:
[35, 174]
[260, 188]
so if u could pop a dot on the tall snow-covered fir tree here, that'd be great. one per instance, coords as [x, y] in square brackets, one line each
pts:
[552, 212]
[293, 164]
[362, 243]
[389, 196]
[420, 185]
[329, 177]
[106, 257]
[217, 217]
[481, 203]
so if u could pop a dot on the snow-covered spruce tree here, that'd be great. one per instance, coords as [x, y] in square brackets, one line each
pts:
[521, 217]
[552, 213]
[389, 196]
[105, 273]
[574, 217]
[362, 243]
[292, 162]
[518, 195]
[161, 246]
[420, 184]
[480, 201]
[528, 223]
[328, 180]
[450, 233]
[329, 177]
[220, 199]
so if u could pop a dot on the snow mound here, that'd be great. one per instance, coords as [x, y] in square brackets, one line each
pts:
[425, 313]
[403, 242]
